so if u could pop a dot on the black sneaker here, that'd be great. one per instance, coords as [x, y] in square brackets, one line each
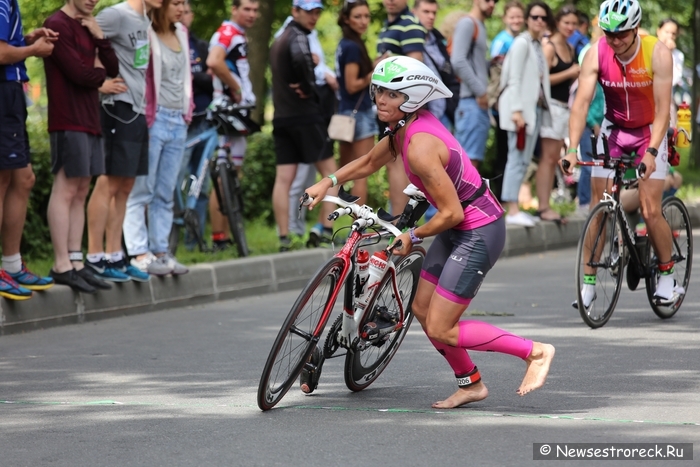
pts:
[93, 280]
[72, 280]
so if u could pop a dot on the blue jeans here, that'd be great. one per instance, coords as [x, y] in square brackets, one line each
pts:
[518, 161]
[166, 147]
[583, 190]
[472, 126]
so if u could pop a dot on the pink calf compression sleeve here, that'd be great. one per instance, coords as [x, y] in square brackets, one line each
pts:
[456, 357]
[478, 335]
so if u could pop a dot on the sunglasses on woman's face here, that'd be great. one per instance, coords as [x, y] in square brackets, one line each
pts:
[538, 17]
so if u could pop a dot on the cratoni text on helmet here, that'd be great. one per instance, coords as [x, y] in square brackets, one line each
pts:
[422, 77]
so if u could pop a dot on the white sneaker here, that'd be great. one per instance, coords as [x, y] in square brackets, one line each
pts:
[520, 218]
[142, 264]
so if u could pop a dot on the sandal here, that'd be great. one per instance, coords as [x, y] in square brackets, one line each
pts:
[308, 380]
[558, 220]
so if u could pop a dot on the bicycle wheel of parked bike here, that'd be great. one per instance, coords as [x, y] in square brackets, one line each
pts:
[601, 247]
[363, 366]
[299, 335]
[678, 219]
[232, 207]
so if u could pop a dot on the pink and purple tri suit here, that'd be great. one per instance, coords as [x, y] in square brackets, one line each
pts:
[629, 105]
[460, 257]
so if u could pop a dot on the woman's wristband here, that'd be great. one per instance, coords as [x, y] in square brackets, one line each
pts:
[334, 180]
[572, 151]
[412, 235]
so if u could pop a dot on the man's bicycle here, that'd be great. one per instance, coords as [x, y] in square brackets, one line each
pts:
[375, 317]
[224, 117]
[608, 244]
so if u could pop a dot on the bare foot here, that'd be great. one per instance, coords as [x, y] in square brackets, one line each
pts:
[537, 367]
[474, 393]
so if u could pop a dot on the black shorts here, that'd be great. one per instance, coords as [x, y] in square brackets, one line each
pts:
[302, 144]
[14, 143]
[125, 136]
[79, 154]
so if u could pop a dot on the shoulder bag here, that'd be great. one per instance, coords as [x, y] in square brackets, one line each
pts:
[342, 127]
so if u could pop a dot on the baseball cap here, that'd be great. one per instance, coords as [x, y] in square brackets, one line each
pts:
[307, 5]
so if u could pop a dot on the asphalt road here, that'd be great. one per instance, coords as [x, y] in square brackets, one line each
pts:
[178, 387]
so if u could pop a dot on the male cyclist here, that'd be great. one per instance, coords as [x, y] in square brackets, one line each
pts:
[635, 74]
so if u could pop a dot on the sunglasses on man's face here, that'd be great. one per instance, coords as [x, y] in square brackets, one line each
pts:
[618, 35]
[539, 17]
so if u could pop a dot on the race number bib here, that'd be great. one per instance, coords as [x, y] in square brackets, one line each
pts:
[141, 54]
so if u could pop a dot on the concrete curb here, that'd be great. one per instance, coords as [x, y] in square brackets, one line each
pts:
[230, 279]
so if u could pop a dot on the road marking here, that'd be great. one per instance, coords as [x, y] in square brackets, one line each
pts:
[458, 413]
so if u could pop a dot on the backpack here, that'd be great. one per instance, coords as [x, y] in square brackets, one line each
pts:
[493, 90]
[447, 76]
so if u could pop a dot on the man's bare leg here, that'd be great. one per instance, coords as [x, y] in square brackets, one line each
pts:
[14, 213]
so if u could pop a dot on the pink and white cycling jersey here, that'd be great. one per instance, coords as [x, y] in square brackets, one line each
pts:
[232, 38]
[464, 176]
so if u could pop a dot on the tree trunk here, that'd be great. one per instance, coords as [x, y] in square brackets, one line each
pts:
[258, 55]
[695, 147]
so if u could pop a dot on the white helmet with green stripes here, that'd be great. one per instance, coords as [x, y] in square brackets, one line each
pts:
[410, 77]
[619, 15]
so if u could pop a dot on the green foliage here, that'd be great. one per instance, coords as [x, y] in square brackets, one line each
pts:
[259, 168]
[36, 241]
[378, 190]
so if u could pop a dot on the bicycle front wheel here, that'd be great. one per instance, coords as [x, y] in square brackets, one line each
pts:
[364, 366]
[600, 262]
[299, 335]
[676, 214]
[232, 207]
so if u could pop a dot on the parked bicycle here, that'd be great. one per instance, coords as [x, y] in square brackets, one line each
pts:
[608, 244]
[376, 304]
[225, 118]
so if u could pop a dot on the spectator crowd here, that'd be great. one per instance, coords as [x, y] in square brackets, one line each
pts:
[129, 86]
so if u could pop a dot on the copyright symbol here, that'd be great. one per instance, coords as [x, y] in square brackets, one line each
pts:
[545, 449]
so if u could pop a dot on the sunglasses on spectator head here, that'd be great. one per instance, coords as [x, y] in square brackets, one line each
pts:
[536, 17]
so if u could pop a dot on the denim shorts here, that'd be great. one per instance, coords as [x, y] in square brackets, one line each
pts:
[365, 123]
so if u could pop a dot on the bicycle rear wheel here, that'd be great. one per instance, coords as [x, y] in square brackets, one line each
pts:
[601, 247]
[676, 214]
[232, 207]
[364, 366]
[299, 335]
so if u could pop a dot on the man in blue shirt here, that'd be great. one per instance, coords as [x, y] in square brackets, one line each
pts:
[579, 39]
[16, 175]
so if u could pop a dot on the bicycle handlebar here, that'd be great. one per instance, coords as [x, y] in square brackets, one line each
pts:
[364, 215]
[642, 168]
[607, 162]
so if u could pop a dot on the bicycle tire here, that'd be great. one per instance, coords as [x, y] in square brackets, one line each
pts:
[232, 207]
[363, 367]
[299, 335]
[610, 265]
[676, 214]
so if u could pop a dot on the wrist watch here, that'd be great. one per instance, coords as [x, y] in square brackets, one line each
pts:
[653, 151]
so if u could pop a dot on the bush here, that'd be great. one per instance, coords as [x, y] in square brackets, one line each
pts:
[36, 240]
[259, 168]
